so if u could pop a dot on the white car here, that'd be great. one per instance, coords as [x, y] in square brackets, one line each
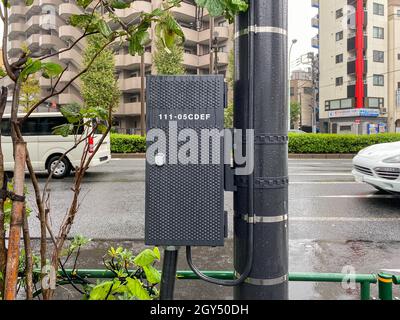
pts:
[379, 166]
[46, 148]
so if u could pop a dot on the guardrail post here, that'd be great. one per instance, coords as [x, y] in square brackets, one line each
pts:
[365, 290]
[385, 285]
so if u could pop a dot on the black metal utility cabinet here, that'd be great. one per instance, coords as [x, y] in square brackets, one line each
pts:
[185, 202]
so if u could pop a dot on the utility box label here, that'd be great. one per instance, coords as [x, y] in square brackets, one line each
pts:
[185, 161]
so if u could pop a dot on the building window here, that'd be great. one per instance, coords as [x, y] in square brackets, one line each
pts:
[339, 36]
[339, 58]
[379, 33]
[339, 81]
[339, 13]
[379, 56]
[398, 56]
[379, 9]
[398, 13]
[222, 23]
[292, 91]
[379, 80]
[308, 91]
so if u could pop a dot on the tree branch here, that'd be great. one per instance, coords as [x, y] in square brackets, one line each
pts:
[36, 105]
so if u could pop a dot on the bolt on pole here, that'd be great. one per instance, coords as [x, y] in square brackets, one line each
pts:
[261, 100]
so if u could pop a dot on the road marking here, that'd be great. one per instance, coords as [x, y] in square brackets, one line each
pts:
[341, 219]
[320, 174]
[362, 196]
[324, 182]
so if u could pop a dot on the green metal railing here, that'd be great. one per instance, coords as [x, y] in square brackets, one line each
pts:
[385, 281]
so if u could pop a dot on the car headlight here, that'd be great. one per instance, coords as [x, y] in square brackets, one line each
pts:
[395, 159]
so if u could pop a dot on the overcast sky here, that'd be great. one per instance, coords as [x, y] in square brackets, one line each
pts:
[300, 14]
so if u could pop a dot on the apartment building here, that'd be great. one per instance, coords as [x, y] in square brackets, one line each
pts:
[301, 91]
[44, 27]
[359, 49]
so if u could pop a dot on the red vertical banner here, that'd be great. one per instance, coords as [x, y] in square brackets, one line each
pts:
[360, 54]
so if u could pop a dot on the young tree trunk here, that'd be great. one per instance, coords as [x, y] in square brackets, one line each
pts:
[28, 258]
[3, 186]
[16, 222]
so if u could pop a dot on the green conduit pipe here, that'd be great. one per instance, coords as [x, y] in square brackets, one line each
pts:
[385, 286]
[365, 280]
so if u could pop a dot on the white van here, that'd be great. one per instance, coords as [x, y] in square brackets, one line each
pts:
[45, 148]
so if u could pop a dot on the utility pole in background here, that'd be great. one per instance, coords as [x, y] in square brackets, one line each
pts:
[313, 60]
[211, 44]
[142, 96]
[261, 103]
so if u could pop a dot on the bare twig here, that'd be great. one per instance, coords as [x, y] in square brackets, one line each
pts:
[56, 93]
[28, 258]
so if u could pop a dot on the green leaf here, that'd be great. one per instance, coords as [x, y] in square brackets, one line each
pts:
[51, 69]
[104, 28]
[84, 21]
[137, 41]
[31, 68]
[101, 291]
[153, 276]
[64, 130]
[2, 73]
[72, 112]
[136, 289]
[119, 4]
[146, 258]
[84, 3]
[214, 7]
[28, 2]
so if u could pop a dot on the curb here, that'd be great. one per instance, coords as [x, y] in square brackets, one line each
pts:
[321, 156]
[128, 156]
[291, 156]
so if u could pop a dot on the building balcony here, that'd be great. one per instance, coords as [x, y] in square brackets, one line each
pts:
[351, 91]
[190, 60]
[351, 43]
[315, 42]
[351, 67]
[315, 22]
[223, 35]
[137, 7]
[223, 60]
[65, 10]
[315, 3]
[130, 85]
[33, 42]
[47, 41]
[67, 98]
[123, 61]
[55, 3]
[186, 12]
[129, 109]
[71, 34]
[33, 25]
[15, 47]
[73, 56]
[15, 29]
[17, 12]
[191, 36]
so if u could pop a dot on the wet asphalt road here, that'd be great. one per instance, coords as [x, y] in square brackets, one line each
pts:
[334, 222]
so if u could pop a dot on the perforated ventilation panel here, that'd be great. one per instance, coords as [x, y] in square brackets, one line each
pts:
[185, 202]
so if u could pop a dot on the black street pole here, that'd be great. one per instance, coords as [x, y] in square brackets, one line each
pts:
[261, 83]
